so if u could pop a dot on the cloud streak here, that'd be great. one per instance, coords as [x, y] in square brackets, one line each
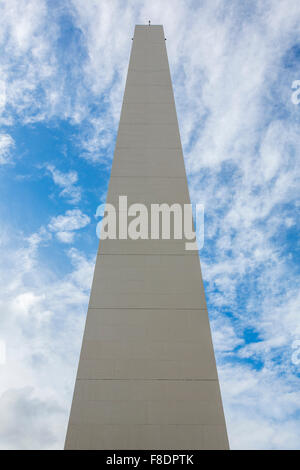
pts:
[66, 181]
[6, 145]
[64, 226]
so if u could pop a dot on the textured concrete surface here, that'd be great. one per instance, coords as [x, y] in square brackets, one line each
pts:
[147, 376]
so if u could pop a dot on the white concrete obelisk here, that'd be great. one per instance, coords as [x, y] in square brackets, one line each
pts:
[147, 377]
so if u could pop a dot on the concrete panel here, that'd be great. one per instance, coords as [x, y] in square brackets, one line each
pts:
[148, 163]
[198, 437]
[146, 412]
[142, 281]
[146, 348]
[148, 190]
[148, 94]
[151, 136]
[176, 325]
[148, 113]
[148, 77]
[136, 369]
[150, 56]
[190, 391]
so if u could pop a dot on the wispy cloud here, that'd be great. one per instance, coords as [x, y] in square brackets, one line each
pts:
[6, 145]
[66, 181]
[65, 225]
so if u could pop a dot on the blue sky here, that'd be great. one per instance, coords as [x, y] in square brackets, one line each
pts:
[62, 77]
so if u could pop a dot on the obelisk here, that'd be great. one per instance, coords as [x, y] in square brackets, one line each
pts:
[147, 376]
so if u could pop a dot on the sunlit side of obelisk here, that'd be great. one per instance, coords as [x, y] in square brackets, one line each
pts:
[147, 376]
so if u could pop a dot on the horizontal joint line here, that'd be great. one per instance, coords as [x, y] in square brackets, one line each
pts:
[144, 380]
[146, 308]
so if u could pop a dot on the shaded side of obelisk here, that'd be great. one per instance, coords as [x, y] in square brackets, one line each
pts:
[147, 375]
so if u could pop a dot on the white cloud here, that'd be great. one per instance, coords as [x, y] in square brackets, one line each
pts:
[65, 237]
[6, 145]
[40, 420]
[66, 181]
[38, 376]
[72, 220]
[225, 337]
[64, 225]
[258, 417]
[29, 62]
